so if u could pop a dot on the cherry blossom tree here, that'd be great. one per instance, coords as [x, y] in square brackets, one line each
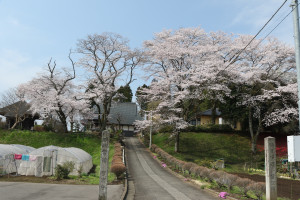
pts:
[263, 68]
[109, 63]
[185, 64]
[53, 92]
[189, 63]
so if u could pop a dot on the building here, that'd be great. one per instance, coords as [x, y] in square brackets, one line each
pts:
[20, 109]
[205, 118]
[121, 117]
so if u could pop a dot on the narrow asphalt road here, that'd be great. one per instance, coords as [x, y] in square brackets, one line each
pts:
[151, 181]
[41, 191]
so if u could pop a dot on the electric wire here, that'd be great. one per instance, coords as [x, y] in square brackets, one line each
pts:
[277, 25]
[240, 51]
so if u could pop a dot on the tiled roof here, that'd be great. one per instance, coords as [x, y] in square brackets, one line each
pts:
[209, 112]
[20, 108]
[124, 113]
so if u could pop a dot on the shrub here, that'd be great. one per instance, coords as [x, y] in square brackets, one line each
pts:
[179, 164]
[153, 147]
[218, 176]
[158, 150]
[117, 145]
[117, 160]
[69, 165]
[205, 163]
[63, 171]
[243, 183]
[193, 169]
[38, 128]
[60, 173]
[198, 171]
[80, 170]
[204, 173]
[220, 128]
[118, 153]
[118, 170]
[258, 189]
[229, 180]
[187, 166]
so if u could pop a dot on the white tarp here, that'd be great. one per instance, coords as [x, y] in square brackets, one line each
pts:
[7, 162]
[53, 156]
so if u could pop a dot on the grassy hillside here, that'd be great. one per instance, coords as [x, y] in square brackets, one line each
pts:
[90, 144]
[203, 148]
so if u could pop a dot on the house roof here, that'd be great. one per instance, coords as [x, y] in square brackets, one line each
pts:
[20, 108]
[123, 113]
[209, 113]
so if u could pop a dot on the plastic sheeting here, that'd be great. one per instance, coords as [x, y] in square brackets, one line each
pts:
[7, 162]
[57, 156]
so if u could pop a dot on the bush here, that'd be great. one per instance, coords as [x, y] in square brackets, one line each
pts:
[153, 147]
[229, 180]
[243, 183]
[117, 160]
[194, 169]
[218, 176]
[118, 170]
[220, 128]
[187, 166]
[206, 163]
[258, 189]
[63, 171]
[116, 145]
[204, 173]
[80, 170]
[38, 128]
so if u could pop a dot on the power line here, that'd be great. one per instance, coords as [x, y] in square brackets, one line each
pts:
[278, 24]
[240, 51]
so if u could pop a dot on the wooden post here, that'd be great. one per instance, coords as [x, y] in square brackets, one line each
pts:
[270, 164]
[104, 166]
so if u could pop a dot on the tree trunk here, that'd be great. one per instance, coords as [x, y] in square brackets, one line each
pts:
[63, 119]
[213, 113]
[72, 126]
[177, 137]
[254, 136]
[15, 124]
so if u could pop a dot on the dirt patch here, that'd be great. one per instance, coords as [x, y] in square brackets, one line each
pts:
[286, 187]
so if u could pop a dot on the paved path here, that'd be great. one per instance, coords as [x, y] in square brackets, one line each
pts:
[37, 191]
[152, 182]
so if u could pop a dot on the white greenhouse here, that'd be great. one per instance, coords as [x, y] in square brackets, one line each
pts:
[47, 158]
[7, 162]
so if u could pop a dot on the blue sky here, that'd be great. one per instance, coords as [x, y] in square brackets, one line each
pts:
[33, 31]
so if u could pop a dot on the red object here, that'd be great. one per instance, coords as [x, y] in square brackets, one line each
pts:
[18, 156]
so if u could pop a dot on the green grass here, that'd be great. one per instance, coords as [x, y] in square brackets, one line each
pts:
[90, 144]
[202, 148]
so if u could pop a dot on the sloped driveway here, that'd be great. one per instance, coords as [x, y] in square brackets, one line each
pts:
[152, 182]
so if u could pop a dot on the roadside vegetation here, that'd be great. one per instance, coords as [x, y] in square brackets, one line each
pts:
[205, 149]
[89, 143]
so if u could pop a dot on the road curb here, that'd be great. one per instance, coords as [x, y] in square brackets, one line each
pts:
[125, 191]
[129, 189]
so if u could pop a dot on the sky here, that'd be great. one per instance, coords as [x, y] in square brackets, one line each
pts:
[33, 31]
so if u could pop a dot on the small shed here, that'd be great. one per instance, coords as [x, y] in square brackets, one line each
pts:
[51, 156]
[7, 162]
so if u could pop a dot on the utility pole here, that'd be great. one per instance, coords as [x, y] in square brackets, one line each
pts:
[294, 6]
[150, 142]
